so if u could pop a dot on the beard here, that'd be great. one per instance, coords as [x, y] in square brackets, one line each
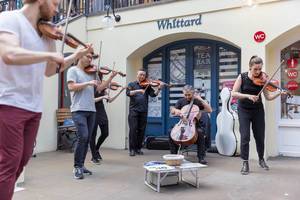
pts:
[44, 12]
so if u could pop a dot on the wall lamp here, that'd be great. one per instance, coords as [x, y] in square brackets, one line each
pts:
[108, 21]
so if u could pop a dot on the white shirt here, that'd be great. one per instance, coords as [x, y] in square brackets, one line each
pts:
[21, 85]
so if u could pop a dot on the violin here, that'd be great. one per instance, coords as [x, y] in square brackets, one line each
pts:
[114, 86]
[91, 69]
[153, 83]
[50, 30]
[106, 70]
[272, 85]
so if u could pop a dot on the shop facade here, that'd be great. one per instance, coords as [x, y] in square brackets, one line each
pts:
[206, 45]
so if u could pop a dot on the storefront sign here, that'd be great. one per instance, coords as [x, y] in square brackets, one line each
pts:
[292, 85]
[292, 74]
[178, 23]
[292, 63]
[259, 36]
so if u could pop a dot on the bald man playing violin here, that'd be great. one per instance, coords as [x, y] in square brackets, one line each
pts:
[25, 58]
[138, 110]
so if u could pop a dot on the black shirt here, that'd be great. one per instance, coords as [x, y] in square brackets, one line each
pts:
[100, 109]
[139, 101]
[248, 87]
[183, 102]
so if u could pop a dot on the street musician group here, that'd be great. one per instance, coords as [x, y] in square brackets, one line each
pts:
[27, 54]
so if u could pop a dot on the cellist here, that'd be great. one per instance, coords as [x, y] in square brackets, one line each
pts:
[25, 58]
[189, 93]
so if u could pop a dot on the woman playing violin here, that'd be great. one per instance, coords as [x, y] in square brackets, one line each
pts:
[25, 58]
[138, 108]
[101, 116]
[251, 110]
[82, 86]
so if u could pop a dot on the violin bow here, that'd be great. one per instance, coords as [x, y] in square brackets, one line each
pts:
[109, 85]
[65, 32]
[268, 81]
[100, 48]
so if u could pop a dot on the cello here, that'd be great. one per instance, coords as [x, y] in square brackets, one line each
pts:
[226, 138]
[184, 132]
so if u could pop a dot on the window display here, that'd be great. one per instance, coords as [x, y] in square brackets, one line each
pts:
[290, 81]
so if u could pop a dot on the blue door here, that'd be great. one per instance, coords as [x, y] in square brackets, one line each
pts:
[205, 64]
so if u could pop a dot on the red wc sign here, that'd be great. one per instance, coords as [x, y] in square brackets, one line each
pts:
[292, 74]
[259, 36]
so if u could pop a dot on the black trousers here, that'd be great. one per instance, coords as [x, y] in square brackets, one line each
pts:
[95, 146]
[137, 124]
[200, 144]
[255, 118]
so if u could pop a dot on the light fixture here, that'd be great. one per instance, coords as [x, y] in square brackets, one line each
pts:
[251, 3]
[108, 21]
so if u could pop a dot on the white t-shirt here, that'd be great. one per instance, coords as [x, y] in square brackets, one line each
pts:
[21, 85]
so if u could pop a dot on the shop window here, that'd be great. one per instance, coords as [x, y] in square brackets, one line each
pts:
[202, 70]
[228, 72]
[177, 75]
[155, 73]
[290, 106]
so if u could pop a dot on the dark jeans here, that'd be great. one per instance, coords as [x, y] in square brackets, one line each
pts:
[137, 125]
[18, 130]
[255, 117]
[104, 134]
[84, 122]
[200, 144]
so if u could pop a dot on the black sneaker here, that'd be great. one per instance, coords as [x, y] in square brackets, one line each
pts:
[245, 168]
[139, 152]
[86, 171]
[78, 173]
[98, 155]
[203, 161]
[131, 153]
[95, 161]
[263, 164]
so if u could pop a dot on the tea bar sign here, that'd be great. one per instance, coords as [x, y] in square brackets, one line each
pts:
[178, 23]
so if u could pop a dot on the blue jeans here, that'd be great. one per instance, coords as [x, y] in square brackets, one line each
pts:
[84, 122]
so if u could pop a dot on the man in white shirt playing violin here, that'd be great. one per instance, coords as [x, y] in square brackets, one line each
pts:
[25, 58]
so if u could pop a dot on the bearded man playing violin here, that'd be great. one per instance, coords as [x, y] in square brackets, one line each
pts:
[251, 110]
[82, 85]
[25, 58]
[189, 93]
[139, 92]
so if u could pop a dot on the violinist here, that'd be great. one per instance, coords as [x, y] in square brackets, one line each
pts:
[25, 58]
[189, 92]
[251, 111]
[138, 109]
[101, 116]
[82, 85]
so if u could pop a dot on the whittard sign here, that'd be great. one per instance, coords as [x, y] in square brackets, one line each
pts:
[178, 23]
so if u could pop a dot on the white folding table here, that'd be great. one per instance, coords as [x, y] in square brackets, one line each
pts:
[158, 170]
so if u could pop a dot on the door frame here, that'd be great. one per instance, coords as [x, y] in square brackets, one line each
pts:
[189, 44]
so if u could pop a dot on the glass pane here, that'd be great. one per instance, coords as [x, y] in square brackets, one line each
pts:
[228, 72]
[155, 72]
[202, 71]
[290, 80]
[177, 74]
